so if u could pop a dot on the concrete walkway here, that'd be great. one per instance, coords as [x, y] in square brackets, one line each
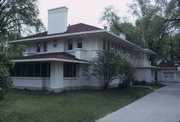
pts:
[162, 105]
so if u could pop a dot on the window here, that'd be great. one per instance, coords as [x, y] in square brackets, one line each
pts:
[38, 47]
[104, 44]
[45, 69]
[115, 48]
[45, 46]
[70, 44]
[79, 43]
[24, 69]
[31, 70]
[37, 71]
[55, 43]
[112, 47]
[119, 48]
[108, 46]
[69, 70]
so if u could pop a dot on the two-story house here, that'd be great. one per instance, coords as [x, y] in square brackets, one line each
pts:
[56, 60]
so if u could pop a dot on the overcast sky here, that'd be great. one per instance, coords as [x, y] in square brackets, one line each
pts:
[85, 11]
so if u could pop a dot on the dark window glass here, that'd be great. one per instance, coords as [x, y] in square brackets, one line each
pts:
[118, 48]
[115, 47]
[104, 44]
[38, 47]
[79, 43]
[37, 70]
[70, 44]
[24, 70]
[45, 46]
[30, 69]
[69, 70]
[108, 46]
[112, 47]
[44, 71]
[55, 43]
[18, 69]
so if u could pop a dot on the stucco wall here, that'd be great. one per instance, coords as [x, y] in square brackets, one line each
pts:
[144, 74]
[30, 82]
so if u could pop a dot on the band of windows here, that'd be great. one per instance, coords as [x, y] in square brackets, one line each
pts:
[31, 70]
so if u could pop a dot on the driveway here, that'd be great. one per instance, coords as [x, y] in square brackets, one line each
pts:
[162, 105]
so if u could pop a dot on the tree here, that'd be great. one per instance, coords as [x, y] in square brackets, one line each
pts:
[110, 66]
[118, 25]
[155, 26]
[18, 18]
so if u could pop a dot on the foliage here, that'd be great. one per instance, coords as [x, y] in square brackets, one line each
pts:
[118, 25]
[156, 27]
[17, 18]
[108, 66]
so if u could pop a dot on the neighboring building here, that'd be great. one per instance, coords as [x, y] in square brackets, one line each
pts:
[56, 60]
[169, 71]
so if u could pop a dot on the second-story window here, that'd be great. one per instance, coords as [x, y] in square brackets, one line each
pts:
[38, 47]
[70, 44]
[55, 43]
[45, 46]
[79, 43]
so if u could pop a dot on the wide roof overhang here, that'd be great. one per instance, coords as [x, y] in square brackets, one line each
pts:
[98, 33]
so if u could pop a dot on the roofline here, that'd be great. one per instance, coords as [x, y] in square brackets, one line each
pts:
[56, 36]
[167, 67]
[147, 67]
[50, 59]
[77, 33]
[125, 40]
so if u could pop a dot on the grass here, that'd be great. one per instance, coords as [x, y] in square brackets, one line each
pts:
[153, 85]
[79, 106]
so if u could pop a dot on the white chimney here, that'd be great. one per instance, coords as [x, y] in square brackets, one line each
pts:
[57, 20]
[122, 36]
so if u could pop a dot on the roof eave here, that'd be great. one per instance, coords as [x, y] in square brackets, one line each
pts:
[55, 36]
[50, 59]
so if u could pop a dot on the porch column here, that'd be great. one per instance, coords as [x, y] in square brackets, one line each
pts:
[56, 76]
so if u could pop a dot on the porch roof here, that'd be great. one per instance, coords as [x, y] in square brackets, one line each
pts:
[60, 56]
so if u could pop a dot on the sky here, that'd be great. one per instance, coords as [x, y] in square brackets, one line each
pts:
[85, 11]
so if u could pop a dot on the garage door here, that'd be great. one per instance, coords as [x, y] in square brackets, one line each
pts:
[169, 76]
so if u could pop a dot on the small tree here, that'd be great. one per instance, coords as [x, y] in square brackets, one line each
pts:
[109, 66]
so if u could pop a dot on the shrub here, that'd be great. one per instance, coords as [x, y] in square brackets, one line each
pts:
[108, 66]
[5, 82]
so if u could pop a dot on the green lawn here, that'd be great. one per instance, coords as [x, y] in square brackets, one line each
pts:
[82, 106]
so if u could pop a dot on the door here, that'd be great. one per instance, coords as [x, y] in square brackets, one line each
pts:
[169, 76]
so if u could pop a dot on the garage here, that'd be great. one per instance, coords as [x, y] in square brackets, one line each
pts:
[169, 76]
[169, 71]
